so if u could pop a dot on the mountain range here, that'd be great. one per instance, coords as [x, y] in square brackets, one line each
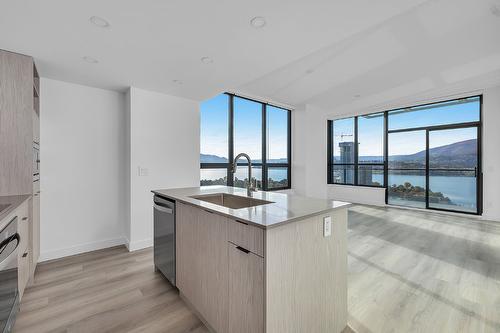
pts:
[458, 154]
[207, 158]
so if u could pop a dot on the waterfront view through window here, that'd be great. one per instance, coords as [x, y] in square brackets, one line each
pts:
[425, 156]
[230, 125]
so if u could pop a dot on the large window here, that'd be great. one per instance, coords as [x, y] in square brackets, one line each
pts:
[357, 151]
[231, 125]
[426, 156]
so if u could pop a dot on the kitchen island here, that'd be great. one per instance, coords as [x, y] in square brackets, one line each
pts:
[270, 263]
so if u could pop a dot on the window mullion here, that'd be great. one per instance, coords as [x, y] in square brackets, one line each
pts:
[356, 158]
[230, 180]
[264, 147]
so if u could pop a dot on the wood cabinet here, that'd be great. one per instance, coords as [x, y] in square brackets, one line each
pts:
[19, 134]
[23, 248]
[16, 109]
[245, 279]
[217, 272]
[246, 290]
[201, 265]
[35, 226]
[23, 270]
[247, 236]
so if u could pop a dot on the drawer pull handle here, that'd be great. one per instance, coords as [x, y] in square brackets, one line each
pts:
[25, 254]
[24, 218]
[243, 249]
[241, 222]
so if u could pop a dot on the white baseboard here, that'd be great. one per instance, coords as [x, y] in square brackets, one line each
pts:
[82, 248]
[139, 245]
[489, 217]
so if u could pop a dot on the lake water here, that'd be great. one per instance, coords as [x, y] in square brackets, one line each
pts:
[460, 189]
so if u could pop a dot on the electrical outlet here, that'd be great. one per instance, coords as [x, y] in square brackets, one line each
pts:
[143, 172]
[327, 226]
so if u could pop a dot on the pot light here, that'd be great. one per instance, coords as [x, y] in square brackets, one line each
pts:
[357, 96]
[179, 82]
[90, 60]
[310, 71]
[207, 60]
[258, 22]
[99, 22]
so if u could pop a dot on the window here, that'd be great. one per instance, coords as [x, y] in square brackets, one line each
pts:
[357, 146]
[425, 156]
[231, 125]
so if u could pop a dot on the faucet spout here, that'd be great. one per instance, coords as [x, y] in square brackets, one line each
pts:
[234, 166]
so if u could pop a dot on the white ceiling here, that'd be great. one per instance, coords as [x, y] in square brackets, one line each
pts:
[318, 52]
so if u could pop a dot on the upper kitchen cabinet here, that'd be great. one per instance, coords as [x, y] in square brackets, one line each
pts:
[16, 123]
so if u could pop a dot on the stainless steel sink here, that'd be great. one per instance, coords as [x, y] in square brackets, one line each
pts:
[231, 201]
[3, 207]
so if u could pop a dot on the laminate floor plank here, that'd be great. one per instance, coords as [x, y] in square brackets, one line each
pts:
[109, 290]
[412, 271]
[408, 272]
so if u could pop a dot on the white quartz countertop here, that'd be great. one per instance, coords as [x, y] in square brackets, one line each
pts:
[284, 208]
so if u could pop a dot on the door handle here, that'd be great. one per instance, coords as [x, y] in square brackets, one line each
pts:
[242, 249]
[163, 209]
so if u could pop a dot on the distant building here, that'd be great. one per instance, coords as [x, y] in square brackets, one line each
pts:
[347, 157]
[365, 174]
[346, 152]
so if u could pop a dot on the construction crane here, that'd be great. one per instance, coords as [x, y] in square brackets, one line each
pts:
[343, 135]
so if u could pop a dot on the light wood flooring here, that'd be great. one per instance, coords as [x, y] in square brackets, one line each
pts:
[408, 272]
[412, 271]
[104, 291]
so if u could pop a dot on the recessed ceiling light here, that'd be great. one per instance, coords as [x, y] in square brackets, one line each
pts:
[179, 82]
[495, 9]
[310, 71]
[258, 22]
[357, 96]
[99, 21]
[207, 60]
[90, 60]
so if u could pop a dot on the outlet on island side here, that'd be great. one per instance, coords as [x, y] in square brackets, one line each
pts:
[327, 226]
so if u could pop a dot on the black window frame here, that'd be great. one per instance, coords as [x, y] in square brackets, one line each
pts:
[387, 131]
[264, 165]
[356, 164]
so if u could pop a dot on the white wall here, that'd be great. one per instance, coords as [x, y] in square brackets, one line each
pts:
[491, 154]
[165, 141]
[310, 144]
[82, 157]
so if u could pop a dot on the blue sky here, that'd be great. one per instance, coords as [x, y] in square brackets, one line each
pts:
[371, 129]
[247, 128]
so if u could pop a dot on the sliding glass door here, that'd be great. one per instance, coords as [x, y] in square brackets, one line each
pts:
[407, 169]
[453, 169]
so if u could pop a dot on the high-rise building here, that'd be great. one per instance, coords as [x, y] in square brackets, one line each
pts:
[346, 152]
[347, 157]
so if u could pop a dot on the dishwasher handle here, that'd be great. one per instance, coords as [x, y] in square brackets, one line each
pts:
[163, 209]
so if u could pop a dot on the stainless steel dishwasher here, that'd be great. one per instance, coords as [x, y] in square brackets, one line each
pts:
[164, 237]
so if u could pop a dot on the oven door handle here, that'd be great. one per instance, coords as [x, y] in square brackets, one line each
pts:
[5, 262]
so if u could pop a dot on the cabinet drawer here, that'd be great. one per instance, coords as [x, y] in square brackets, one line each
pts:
[23, 262]
[246, 236]
[23, 230]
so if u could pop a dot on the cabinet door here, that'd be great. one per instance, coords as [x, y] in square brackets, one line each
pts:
[23, 270]
[36, 230]
[201, 246]
[246, 291]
